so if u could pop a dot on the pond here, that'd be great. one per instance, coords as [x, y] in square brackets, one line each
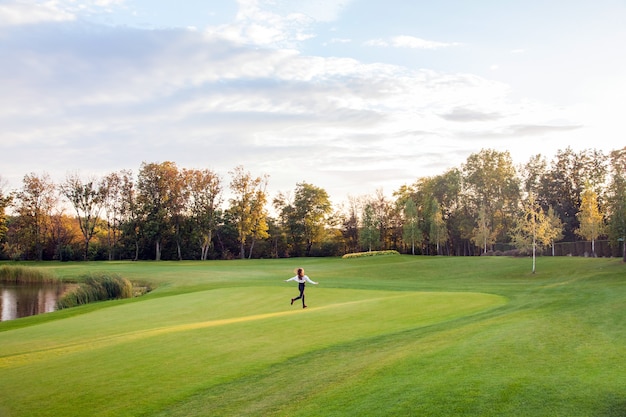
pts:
[22, 300]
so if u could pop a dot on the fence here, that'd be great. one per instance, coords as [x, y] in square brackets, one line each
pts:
[603, 248]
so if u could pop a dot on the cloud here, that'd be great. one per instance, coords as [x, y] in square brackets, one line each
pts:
[256, 23]
[317, 10]
[27, 12]
[101, 98]
[525, 130]
[340, 40]
[463, 114]
[411, 42]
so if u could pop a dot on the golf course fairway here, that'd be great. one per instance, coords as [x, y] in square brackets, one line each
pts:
[398, 335]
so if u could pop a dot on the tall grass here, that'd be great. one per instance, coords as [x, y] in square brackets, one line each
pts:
[18, 274]
[97, 287]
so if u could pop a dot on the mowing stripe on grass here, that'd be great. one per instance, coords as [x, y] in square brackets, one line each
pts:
[101, 342]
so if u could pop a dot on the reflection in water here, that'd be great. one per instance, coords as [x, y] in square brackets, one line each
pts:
[28, 299]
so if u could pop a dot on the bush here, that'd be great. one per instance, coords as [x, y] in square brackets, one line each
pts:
[370, 253]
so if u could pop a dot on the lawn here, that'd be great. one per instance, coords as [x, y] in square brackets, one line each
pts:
[383, 336]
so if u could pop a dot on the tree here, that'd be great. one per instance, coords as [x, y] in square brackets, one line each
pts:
[247, 207]
[350, 225]
[66, 236]
[534, 229]
[617, 200]
[259, 227]
[383, 217]
[130, 214]
[438, 231]
[34, 204]
[157, 189]
[86, 198]
[205, 198]
[553, 228]
[590, 219]
[492, 186]
[306, 217]
[5, 201]
[411, 224]
[563, 184]
[369, 234]
[483, 235]
[113, 186]
[532, 173]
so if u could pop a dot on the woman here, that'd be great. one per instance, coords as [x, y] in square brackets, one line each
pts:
[301, 279]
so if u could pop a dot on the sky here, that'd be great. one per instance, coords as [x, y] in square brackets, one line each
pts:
[352, 96]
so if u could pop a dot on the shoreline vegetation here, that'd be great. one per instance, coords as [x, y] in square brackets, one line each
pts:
[18, 274]
[85, 289]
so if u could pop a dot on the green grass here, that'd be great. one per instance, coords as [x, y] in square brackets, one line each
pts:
[383, 336]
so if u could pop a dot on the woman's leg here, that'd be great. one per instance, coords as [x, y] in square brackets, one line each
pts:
[301, 288]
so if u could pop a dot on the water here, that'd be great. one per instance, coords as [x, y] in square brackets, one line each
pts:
[24, 300]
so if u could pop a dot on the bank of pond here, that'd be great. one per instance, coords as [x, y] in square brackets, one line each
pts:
[26, 291]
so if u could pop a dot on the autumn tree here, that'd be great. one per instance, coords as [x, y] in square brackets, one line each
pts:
[65, 235]
[34, 204]
[553, 228]
[563, 183]
[86, 198]
[205, 198]
[113, 188]
[304, 218]
[157, 190]
[130, 214]
[247, 207]
[259, 224]
[534, 229]
[590, 218]
[483, 235]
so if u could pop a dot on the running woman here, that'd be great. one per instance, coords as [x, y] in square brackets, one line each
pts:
[301, 279]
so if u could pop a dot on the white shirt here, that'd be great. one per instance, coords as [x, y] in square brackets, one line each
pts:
[301, 280]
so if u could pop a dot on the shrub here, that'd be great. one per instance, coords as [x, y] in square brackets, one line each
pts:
[370, 253]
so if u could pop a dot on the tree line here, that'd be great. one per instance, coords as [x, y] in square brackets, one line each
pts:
[167, 212]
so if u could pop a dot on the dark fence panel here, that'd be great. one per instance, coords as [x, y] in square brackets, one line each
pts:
[603, 249]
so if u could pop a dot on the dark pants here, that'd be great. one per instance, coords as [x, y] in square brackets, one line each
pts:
[301, 289]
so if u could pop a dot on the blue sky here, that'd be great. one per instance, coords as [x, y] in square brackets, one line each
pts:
[353, 96]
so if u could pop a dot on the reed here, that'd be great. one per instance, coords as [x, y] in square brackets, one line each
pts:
[97, 287]
[18, 274]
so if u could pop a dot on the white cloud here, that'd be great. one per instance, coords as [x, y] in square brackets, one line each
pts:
[108, 97]
[340, 40]
[255, 24]
[412, 42]
[31, 12]
[317, 10]
[418, 43]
